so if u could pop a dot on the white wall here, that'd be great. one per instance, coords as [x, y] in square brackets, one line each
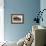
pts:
[1, 20]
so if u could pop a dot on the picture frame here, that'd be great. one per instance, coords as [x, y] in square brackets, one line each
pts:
[17, 18]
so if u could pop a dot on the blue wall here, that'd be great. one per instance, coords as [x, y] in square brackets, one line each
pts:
[13, 32]
[43, 6]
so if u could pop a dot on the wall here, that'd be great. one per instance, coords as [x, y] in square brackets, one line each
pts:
[43, 6]
[1, 20]
[13, 32]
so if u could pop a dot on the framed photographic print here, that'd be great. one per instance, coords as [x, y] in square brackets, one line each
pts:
[17, 18]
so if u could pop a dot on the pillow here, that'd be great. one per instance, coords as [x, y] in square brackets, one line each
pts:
[21, 42]
[28, 40]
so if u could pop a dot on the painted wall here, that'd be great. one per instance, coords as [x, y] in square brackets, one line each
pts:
[43, 6]
[13, 32]
[1, 20]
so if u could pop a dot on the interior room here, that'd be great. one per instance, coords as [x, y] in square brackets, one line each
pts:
[22, 23]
